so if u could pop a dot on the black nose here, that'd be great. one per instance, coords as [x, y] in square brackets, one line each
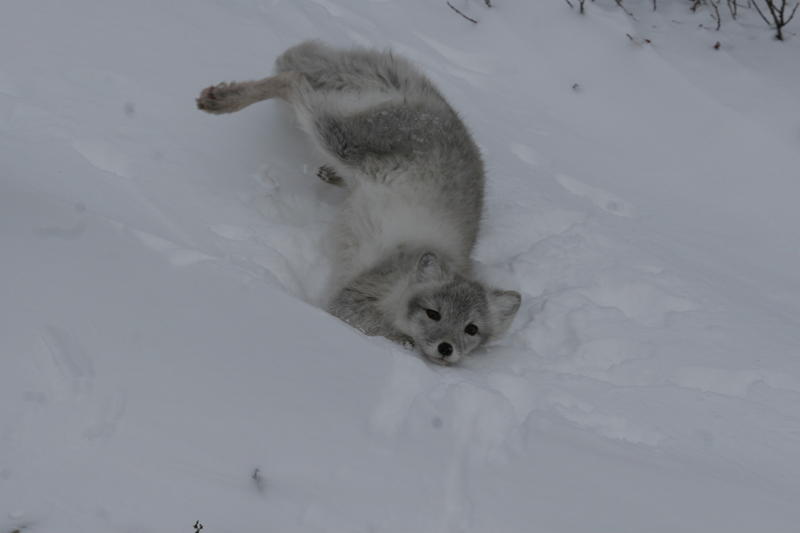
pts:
[445, 348]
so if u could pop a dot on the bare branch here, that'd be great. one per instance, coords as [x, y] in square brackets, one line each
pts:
[778, 13]
[793, 12]
[462, 14]
[619, 3]
[733, 7]
[715, 15]
[758, 10]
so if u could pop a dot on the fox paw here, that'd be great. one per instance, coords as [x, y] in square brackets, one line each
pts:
[221, 98]
[329, 175]
[403, 340]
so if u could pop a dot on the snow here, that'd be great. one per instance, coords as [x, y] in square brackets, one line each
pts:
[161, 273]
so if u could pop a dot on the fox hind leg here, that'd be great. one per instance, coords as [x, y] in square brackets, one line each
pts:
[233, 96]
[336, 133]
[329, 175]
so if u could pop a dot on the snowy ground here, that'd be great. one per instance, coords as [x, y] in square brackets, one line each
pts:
[159, 270]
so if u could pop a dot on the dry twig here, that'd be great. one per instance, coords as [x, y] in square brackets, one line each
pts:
[462, 14]
[630, 14]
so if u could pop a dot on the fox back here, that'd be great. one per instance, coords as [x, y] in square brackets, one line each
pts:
[417, 175]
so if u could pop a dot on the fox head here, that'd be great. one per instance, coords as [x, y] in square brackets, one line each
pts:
[449, 315]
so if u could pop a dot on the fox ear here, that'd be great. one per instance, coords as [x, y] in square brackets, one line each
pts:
[503, 306]
[430, 268]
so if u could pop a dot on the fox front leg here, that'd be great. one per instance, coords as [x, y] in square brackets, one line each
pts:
[359, 310]
[400, 338]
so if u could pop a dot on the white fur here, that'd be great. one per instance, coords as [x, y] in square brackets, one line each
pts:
[378, 218]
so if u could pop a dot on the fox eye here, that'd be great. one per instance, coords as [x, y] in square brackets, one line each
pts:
[471, 329]
[433, 315]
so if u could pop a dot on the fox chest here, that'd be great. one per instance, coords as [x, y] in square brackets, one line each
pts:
[378, 219]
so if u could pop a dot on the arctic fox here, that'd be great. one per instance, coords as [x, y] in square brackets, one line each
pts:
[404, 235]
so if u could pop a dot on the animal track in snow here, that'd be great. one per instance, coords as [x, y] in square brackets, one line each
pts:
[639, 301]
[604, 359]
[604, 200]
[607, 425]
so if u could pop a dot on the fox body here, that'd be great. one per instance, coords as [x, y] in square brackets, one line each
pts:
[405, 233]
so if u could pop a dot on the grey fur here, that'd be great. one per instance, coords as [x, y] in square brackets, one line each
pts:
[406, 231]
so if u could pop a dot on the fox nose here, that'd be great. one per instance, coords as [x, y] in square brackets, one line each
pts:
[445, 348]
